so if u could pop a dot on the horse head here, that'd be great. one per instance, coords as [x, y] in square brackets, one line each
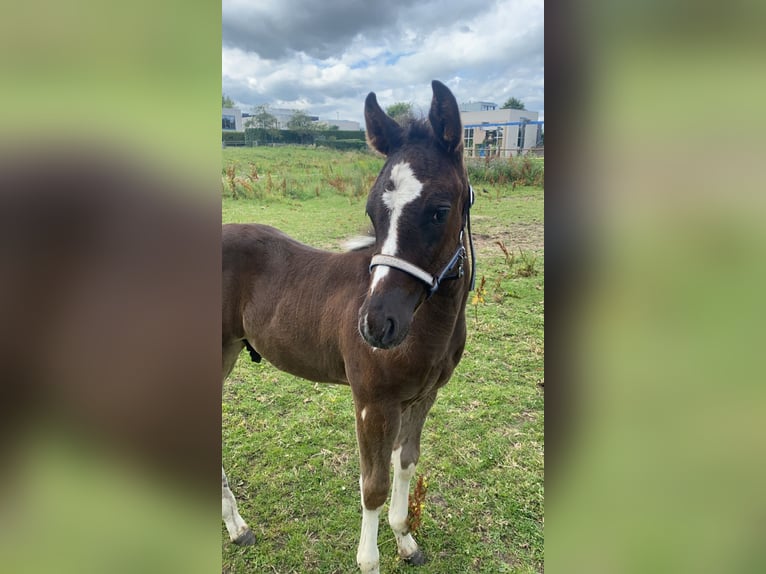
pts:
[419, 210]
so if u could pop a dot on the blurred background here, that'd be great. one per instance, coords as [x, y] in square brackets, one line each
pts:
[110, 287]
[655, 412]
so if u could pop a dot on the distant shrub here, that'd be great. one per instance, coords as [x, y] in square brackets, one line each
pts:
[353, 144]
[233, 138]
[261, 136]
[525, 170]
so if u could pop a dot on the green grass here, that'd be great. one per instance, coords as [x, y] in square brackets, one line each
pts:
[289, 446]
[297, 173]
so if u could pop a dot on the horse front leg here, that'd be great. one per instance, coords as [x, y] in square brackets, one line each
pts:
[376, 428]
[405, 458]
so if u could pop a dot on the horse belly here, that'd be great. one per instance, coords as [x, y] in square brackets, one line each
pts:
[302, 359]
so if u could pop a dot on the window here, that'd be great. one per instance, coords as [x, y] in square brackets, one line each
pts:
[522, 130]
[229, 123]
[468, 139]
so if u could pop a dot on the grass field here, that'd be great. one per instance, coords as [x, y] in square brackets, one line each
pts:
[289, 445]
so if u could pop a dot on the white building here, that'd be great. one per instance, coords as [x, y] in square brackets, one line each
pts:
[346, 125]
[477, 106]
[284, 116]
[491, 131]
[231, 119]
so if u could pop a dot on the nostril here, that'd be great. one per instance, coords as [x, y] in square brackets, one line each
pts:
[379, 331]
[390, 332]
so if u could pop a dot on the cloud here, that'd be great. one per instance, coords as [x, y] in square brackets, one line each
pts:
[293, 54]
[275, 29]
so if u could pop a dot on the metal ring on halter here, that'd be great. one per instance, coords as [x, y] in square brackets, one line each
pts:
[432, 282]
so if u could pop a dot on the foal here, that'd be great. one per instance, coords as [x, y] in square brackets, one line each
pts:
[388, 320]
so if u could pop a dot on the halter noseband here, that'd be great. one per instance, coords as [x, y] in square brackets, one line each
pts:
[454, 268]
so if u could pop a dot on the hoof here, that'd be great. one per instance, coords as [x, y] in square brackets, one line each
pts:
[418, 558]
[247, 538]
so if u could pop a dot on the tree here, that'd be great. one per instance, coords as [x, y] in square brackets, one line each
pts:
[262, 118]
[401, 112]
[226, 101]
[513, 104]
[301, 124]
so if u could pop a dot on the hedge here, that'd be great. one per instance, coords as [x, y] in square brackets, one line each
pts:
[260, 136]
[228, 136]
[350, 144]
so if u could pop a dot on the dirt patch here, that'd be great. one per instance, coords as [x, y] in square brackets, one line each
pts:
[515, 236]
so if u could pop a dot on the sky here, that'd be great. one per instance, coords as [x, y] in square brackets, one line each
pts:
[324, 57]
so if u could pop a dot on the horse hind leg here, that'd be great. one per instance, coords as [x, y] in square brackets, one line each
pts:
[239, 531]
[229, 355]
[405, 457]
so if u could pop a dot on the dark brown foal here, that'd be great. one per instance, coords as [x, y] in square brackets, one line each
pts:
[388, 320]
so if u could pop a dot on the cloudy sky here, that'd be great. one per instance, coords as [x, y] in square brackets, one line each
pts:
[325, 56]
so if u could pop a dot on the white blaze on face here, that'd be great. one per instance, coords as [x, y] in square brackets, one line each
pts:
[406, 188]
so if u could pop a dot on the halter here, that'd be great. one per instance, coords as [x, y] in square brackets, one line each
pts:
[454, 268]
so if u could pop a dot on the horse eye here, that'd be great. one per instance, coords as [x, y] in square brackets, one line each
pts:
[440, 215]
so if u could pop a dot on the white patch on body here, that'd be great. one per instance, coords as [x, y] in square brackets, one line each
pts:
[397, 511]
[364, 413]
[406, 189]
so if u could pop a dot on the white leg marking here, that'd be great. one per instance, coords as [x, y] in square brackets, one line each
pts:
[406, 189]
[368, 556]
[234, 523]
[397, 511]
[364, 413]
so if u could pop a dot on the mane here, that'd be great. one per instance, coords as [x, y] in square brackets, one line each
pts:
[358, 242]
[418, 130]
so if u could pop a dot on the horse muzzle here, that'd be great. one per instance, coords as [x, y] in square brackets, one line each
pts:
[385, 319]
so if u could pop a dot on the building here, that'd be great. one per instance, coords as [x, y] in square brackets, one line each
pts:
[231, 119]
[346, 125]
[477, 106]
[492, 131]
[284, 116]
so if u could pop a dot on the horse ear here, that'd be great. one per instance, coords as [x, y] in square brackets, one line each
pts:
[383, 133]
[445, 119]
